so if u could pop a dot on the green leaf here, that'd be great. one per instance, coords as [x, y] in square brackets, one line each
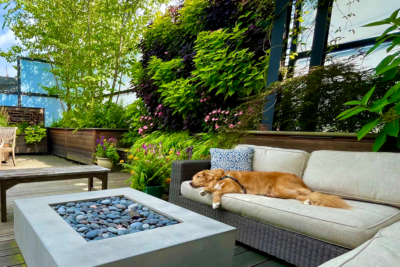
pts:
[389, 75]
[346, 112]
[397, 108]
[394, 64]
[392, 90]
[394, 98]
[392, 128]
[376, 45]
[379, 141]
[354, 112]
[393, 16]
[367, 128]
[377, 23]
[353, 102]
[365, 99]
[379, 104]
[392, 28]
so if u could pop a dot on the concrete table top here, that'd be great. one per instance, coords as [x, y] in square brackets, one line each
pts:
[45, 239]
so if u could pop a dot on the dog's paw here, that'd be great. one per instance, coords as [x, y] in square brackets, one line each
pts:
[307, 202]
[203, 193]
[216, 205]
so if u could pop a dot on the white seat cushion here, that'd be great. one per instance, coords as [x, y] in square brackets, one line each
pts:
[383, 250]
[347, 228]
[271, 159]
[373, 177]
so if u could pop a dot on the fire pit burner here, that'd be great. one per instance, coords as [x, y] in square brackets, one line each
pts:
[110, 217]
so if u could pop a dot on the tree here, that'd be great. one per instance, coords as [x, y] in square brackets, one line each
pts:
[90, 44]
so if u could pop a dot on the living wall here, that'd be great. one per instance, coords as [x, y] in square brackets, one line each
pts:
[200, 57]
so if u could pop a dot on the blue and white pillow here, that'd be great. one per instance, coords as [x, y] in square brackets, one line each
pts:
[232, 159]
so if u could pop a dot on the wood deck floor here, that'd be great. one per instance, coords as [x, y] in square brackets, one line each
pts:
[10, 255]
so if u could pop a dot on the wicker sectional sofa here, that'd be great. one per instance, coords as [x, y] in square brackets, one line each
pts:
[300, 234]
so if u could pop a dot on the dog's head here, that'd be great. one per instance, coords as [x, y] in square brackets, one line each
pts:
[203, 178]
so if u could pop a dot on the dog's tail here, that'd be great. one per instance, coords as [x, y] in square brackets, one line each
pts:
[325, 200]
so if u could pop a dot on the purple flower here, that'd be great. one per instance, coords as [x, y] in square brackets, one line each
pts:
[178, 153]
[104, 148]
[98, 140]
[144, 147]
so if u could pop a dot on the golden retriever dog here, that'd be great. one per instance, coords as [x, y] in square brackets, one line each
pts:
[270, 184]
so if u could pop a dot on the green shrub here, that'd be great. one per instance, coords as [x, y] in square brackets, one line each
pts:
[224, 69]
[182, 140]
[326, 88]
[105, 115]
[3, 117]
[34, 134]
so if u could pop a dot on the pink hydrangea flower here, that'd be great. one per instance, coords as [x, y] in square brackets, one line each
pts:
[207, 117]
[149, 118]
[236, 114]
[151, 124]
[240, 112]
[142, 117]
[214, 111]
[227, 112]
[201, 100]
[219, 111]
[239, 122]
[166, 53]
[159, 114]
[231, 126]
[145, 127]
[216, 126]
[145, 118]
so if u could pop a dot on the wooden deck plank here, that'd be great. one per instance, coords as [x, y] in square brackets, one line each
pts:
[249, 259]
[7, 237]
[9, 252]
[8, 244]
[274, 263]
[11, 260]
[239, 249]
[7, 231]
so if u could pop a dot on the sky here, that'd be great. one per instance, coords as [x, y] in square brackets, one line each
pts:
[7, 38]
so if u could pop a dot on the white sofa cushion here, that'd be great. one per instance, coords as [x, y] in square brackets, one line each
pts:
[271, 159]
[347, 228]
[373, 177]
[382, 250]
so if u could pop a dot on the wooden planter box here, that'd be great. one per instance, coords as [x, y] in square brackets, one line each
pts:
[78, 145]
[35, 148]
[311, 141]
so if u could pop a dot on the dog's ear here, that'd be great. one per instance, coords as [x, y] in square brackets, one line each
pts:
[219, 173]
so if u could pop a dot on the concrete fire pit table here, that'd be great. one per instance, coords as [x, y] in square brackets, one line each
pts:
[46, 240]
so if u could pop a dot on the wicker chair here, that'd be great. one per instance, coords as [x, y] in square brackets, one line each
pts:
[7, 136]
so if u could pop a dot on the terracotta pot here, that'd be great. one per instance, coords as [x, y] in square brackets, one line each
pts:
[105, 163]
[155, 191]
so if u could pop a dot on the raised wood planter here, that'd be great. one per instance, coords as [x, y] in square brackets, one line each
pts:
[35, 148]
[311, 141]
[78, 145]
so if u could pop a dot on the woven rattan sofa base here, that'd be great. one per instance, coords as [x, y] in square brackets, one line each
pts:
[294, 248]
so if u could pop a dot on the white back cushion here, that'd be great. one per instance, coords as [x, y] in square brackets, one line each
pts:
[368, 176]
[271, 159]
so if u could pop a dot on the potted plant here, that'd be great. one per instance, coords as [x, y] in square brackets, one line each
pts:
[106, 154]
[150, 168]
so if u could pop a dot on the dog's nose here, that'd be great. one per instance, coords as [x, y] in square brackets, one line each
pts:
[191, 184]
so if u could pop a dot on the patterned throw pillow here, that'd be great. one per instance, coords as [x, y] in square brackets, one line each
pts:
[232, 159]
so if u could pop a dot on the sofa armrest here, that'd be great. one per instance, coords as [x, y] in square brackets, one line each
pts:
[183, 170]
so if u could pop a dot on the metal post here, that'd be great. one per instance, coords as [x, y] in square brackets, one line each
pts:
[282, 11]
[321, 32]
